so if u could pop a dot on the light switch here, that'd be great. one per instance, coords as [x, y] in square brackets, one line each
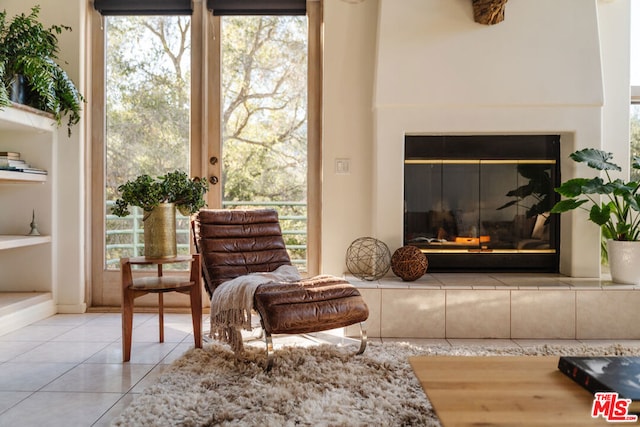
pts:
[342, 166]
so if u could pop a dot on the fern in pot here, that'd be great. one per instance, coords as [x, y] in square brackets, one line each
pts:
[614, 205]
[28, 53]
[159, 198]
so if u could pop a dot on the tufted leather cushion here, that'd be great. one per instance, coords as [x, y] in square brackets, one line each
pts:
[238, 242]
[310, 305]
[233, 243]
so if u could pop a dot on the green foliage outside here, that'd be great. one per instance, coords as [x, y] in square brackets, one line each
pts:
[264, 105]
[148, 85]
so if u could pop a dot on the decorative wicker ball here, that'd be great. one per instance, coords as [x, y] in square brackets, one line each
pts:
[368, 258]
[409, 263]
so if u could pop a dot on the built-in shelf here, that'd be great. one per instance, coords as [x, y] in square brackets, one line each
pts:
[13, 176]
[18, 309]
[29, 264]
[12, 241]
[21, 117]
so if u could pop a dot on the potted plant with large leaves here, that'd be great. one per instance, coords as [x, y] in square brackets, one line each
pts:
[28, 56]
[614, 205]
[159, 198]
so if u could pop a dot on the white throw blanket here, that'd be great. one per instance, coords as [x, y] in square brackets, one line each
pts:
[232, 303]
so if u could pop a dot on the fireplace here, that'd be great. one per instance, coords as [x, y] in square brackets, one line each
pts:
[481, 202]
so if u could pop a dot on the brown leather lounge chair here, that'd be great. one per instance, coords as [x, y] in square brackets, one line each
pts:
[235, 243]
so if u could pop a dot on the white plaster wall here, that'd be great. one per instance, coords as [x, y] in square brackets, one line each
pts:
[615, 29]
[349, 52]
[546, 52]
[70, 172]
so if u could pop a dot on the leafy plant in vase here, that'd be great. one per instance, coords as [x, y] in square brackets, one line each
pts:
[618, 214]
[159, 198]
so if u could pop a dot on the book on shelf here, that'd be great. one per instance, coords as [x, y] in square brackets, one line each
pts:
[35, 170]
[23, 169]
[13, 155]
[620, 374]
[11, 161]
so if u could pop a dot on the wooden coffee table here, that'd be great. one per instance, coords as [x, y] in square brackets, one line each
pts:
[503, 391]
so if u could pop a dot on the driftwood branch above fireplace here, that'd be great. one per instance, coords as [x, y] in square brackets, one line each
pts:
[488, 12]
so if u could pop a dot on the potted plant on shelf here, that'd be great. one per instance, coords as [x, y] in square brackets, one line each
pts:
[159, 198]
[618, 214]
[28, 55]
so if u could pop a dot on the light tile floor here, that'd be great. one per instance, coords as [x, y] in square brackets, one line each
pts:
[67, 370]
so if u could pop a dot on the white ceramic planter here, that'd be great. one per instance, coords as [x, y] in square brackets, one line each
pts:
[624, 261]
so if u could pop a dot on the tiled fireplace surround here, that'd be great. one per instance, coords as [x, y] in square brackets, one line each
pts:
[500, 305]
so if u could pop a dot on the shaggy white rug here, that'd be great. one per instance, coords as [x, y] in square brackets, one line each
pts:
[323, 385]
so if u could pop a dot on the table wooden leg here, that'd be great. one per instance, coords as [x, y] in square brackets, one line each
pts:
[161, 315]
[127, 310]
[196, 314]
[127, 328]
[196, 301]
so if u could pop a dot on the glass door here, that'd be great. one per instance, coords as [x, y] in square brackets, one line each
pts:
[147, 116]
[146, 130]
[264, 120]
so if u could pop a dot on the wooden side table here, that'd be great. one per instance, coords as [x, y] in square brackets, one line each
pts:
[133, 288]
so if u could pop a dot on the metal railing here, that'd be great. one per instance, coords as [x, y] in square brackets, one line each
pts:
[124, 236]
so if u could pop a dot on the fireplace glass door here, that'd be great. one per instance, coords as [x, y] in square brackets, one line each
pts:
[490, 202]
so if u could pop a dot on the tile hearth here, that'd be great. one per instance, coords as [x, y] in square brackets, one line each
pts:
[500, 306]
